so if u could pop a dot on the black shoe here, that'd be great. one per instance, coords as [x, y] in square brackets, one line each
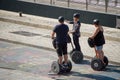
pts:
[64, 66]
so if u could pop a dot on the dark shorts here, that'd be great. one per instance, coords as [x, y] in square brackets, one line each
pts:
[61, 49]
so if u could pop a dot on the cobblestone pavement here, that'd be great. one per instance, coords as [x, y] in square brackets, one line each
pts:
[19, 62]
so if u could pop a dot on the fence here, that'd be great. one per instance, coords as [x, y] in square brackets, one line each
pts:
[53, 12]
[107, 6]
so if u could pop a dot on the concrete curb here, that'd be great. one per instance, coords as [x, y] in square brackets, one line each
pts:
[46, 48]
[25, 23]
[50, 27]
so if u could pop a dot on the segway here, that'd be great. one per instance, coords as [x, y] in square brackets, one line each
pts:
[57, 69]
[97, 64]
[76, 56]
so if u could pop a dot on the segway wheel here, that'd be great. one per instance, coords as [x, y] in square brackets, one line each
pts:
[55, 67]
[69, 66]
[71, 52]
[106, 62]
[96, 64]
[77, 57]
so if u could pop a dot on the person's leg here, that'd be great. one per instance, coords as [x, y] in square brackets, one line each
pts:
[59, 52]
[60, 59]
[65, 52]
[102, 56]
[76, 43]
[66, 58]
[100, 53]
[97, 55]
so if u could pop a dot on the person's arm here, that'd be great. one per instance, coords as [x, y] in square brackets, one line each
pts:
[69, 22]
[71, 31]
[52, 35]
[76, 28]
[95, 33]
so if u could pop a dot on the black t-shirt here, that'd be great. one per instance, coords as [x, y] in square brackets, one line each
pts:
[99, 39]
[76, 28]
[61, 31]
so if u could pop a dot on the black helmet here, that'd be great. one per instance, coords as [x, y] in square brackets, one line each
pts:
[77, 15]
[96, 21]
[61, 18]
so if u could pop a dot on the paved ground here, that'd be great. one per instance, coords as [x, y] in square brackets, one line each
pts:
[19, 62]
[35, 31]
[32, 53]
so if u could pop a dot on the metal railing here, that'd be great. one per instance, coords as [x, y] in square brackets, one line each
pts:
[105, 3]
[111, 3]
[108, 6]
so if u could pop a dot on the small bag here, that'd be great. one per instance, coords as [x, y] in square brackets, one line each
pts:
[68, 39]
[54, 42]
[91, 42]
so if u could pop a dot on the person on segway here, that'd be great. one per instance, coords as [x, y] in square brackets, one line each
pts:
[61, 31]
[76, 30]
[99, 40]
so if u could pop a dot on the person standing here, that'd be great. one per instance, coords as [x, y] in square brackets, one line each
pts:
[61, 31]
[76, 30]
[99, 39]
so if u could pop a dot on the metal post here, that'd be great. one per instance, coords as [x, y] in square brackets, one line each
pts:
[106, 5]
[51, 2]
[34, 0]
[86, 4]
[89, 1]
[20, 14]
[97, 1]
[54, 1]
[116, 2]
[68, 3]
